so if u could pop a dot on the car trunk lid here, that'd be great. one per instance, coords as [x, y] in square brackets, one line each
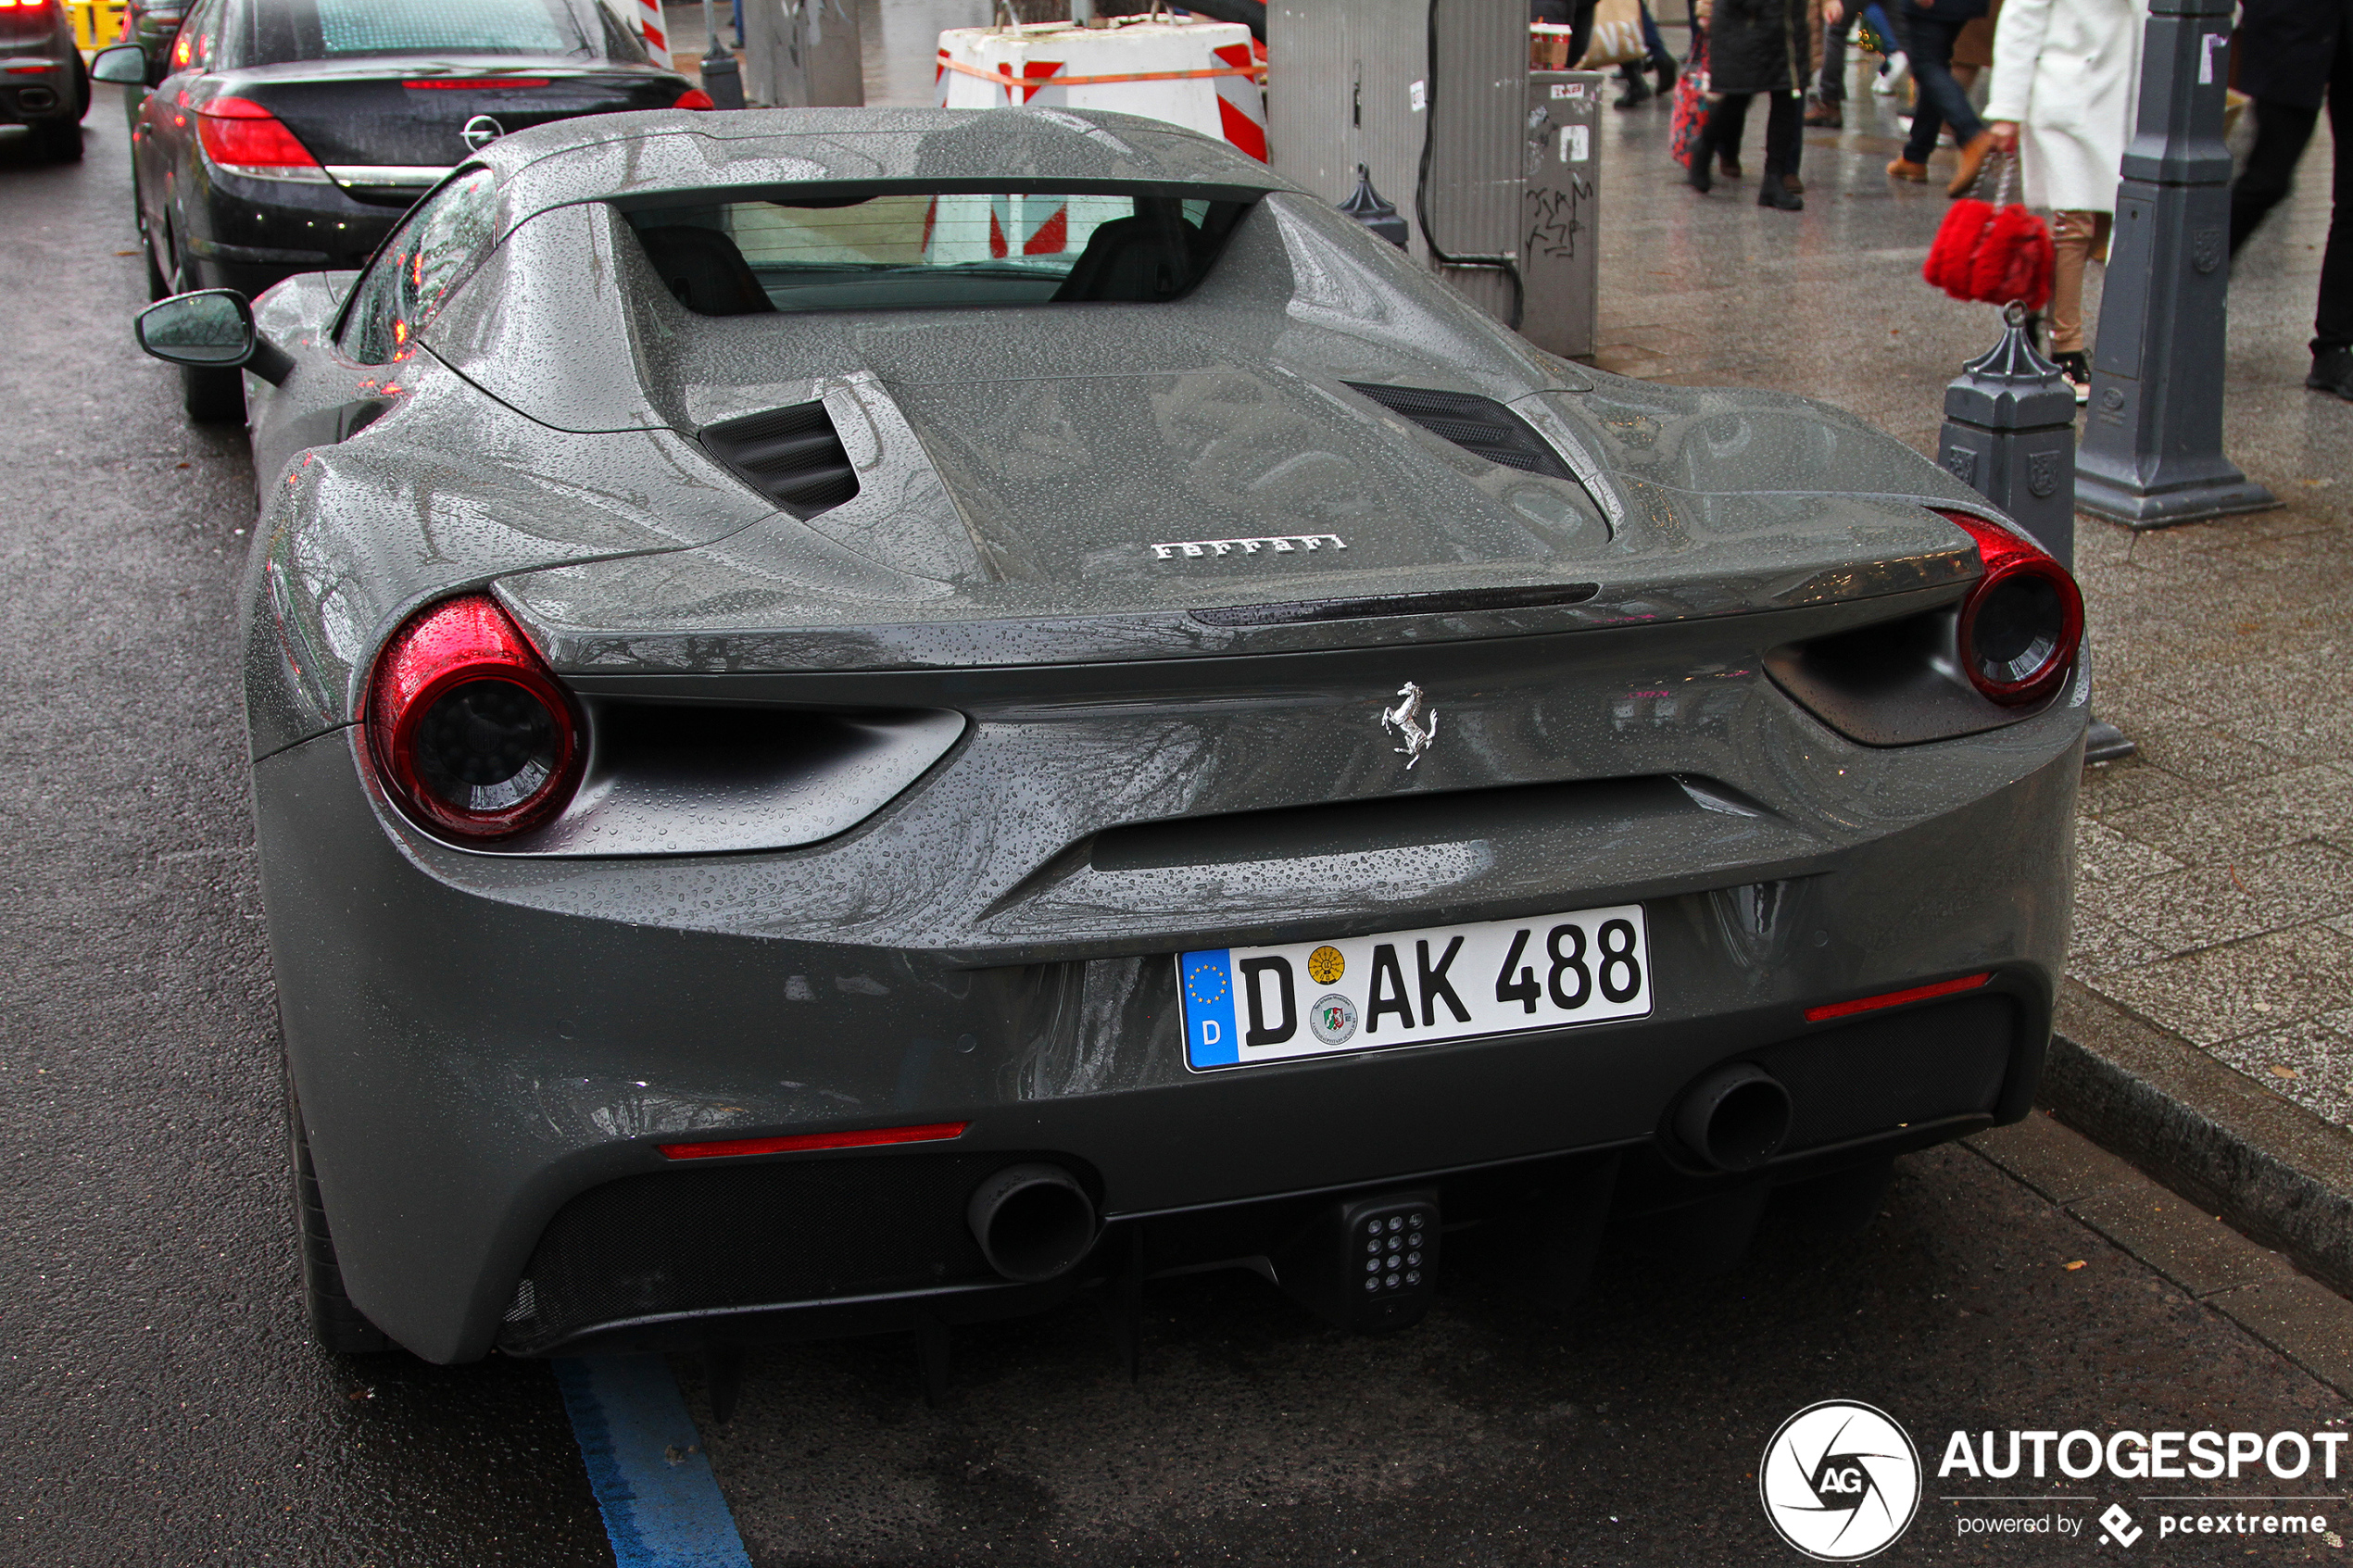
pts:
[366, 118]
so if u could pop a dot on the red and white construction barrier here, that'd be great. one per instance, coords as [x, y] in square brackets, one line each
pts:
[1203, 75]
[644, 17]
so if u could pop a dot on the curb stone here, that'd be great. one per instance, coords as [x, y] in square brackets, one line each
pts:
[2259, 1163]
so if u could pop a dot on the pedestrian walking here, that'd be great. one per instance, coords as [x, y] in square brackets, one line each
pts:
[1635, 92]
[1829, 107]
[1755, 48]
[2067, 75]
[2293, 54]
[1930, 29]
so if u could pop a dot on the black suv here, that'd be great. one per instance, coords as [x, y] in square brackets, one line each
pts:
[43, 84]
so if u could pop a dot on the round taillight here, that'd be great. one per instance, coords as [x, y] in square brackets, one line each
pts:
[2022, 623]
[470, 731]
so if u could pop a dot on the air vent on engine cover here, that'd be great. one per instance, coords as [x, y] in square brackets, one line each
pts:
[1478, 425]
[791, 456]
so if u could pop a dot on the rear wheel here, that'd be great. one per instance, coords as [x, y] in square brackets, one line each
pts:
[340, 1328]
[80, 88]
[211, 397]
[158, 286]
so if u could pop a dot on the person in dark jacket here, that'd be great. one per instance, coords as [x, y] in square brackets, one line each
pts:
[2292, 54]
[1755, 48]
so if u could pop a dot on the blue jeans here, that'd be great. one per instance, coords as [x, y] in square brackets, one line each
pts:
[1927, 41]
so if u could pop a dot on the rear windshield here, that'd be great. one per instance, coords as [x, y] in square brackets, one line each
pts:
[259, 32]
[900, 249]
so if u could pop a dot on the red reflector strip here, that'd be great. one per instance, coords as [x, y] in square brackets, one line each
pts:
[474, 85]
[1896, 998]
[796, 1142]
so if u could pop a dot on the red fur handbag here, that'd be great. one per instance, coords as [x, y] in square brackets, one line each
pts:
[1993, 252]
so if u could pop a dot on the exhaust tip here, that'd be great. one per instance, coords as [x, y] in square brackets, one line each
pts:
[1034, 1223]
[1735, 1118]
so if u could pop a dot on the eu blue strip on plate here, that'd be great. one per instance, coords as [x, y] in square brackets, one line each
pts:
[1209, 1009]
[645, 1465]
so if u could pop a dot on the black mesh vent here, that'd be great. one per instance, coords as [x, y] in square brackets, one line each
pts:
[1478, 425]
[746, 1235]
[791, 456]
[1920, 1064]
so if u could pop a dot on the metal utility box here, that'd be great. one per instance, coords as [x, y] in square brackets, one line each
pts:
[1561, 211]
[1432, 95]
[802, 54]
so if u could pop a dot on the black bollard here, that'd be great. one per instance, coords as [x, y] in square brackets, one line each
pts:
[1365, 205]
[723, 78]
[2153, 446]
[2009, 435]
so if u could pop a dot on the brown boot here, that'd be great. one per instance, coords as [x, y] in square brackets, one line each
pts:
[1972, 159]
[1905, 169]
[1822, 113]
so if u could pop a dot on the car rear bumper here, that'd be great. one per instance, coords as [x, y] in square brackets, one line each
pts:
[488, 1076]
[35, 91]
[255, 233]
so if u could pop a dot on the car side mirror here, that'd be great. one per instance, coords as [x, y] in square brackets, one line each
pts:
[125, 65]
[211, 329]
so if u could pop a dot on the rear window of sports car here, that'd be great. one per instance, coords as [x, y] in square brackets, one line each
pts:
[900, 249]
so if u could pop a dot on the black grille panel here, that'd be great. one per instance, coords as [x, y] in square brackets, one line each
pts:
[791, 456]
[1481, 426]
[1920, 1064]
[746, 1236]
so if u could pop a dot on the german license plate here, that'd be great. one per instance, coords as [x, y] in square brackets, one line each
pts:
[1244, 1006]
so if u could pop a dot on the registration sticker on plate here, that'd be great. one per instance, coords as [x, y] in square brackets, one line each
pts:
[1244, 1006]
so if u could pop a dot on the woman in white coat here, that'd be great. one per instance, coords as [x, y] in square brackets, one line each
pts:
[2066, 76]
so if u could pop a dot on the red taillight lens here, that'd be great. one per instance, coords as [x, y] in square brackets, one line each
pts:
[2022, 623]
[468, 730]
[241, 134]
[694, 98]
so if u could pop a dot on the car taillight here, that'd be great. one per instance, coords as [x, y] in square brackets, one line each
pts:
[2022, 623]
[468, 730]
[244, 138]
[694, 98]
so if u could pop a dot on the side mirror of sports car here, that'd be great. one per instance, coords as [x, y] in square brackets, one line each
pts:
[211, 329]
[125, 65]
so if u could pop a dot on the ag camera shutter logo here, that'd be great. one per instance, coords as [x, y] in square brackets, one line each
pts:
[1840, 1481]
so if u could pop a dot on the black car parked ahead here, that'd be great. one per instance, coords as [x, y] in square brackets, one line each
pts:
[289, 135]
[43, 85]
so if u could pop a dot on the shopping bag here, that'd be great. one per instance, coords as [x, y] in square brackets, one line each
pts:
[1690, 117]
[1993, 252]
[1617, 35]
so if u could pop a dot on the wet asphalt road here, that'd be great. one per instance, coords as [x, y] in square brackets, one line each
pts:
[159, 1402]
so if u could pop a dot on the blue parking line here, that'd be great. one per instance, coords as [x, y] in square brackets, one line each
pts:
[645, 1465]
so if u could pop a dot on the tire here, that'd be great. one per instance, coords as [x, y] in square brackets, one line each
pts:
[158, 287]
[340, 1328]
[61, 141]
[81, 93]
[211, 397]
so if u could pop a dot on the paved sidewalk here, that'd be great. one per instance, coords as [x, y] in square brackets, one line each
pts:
[2211, 990]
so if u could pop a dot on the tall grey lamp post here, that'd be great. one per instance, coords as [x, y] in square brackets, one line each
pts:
[722, 77]
[2152, 452]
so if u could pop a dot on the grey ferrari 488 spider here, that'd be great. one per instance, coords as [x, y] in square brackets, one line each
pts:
[862, 719]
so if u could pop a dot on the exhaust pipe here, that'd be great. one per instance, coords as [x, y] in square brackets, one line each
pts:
[1034, 1223]
[1736, 1118]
